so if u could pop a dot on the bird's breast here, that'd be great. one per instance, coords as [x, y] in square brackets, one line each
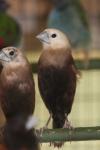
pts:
[56, 59]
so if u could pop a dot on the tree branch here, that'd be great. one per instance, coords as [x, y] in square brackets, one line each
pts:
[77, 134]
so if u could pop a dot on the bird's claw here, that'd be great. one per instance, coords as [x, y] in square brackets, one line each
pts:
[41, 130]
[68, 125]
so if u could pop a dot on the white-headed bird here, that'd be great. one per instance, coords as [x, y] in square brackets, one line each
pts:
[17, 91]
[17, 99]
[57, 76]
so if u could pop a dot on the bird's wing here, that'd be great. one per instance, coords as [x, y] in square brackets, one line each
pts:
[71, 84]
[19, 98]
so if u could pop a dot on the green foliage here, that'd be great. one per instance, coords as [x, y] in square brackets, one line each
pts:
[9, 31]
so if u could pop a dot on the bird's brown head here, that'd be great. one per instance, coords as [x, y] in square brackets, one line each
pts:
[9, 55]
[53, 39]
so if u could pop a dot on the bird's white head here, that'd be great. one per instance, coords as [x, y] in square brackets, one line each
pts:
[53, 39]
[9, 55]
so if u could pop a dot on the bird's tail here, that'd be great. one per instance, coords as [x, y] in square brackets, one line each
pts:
[58, 120]
[19, 133]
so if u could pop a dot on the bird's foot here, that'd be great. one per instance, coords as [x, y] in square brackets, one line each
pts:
[46, 125]
[68, 125]
[41, 130]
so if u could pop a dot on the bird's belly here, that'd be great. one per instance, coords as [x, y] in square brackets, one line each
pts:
[52, 85]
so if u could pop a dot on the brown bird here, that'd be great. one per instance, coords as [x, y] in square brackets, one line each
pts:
[57, 76]
[17, 97]
[17, 91]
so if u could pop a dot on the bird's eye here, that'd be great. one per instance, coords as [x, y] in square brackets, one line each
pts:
[11, 53]
[53, 35]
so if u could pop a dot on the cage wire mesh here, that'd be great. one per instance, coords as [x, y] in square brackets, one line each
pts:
[86, 107]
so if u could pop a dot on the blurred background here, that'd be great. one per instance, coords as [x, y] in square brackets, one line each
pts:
[22, 20]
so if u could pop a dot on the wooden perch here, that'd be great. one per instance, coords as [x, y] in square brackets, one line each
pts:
[77, 134]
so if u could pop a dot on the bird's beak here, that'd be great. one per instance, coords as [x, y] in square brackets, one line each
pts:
[43, 37]
[4, 57]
